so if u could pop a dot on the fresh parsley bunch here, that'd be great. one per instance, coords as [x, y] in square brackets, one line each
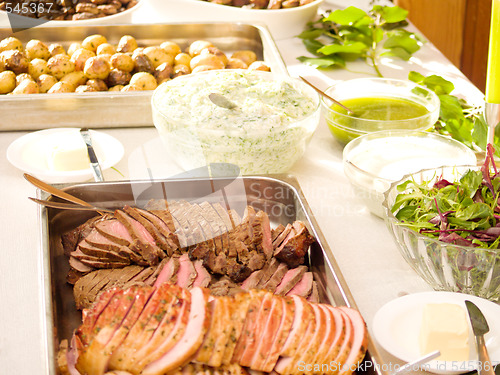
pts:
[350, 34]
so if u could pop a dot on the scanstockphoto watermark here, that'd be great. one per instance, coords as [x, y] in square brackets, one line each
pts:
[465, 366]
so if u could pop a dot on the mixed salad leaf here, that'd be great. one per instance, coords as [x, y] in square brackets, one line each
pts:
[350, 34]
[464, 212]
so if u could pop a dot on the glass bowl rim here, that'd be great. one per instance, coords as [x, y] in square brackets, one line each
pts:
[435, 99]
[390, 219]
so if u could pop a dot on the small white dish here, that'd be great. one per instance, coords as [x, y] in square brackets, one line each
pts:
[31, 152]
[396, 327]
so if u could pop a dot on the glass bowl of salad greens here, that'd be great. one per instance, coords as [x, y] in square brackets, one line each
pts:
[378, 104]
[446, 223]
[267, 128]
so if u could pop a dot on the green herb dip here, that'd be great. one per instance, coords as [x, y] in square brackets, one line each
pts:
[372, 113]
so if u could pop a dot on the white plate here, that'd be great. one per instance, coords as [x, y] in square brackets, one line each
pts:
[30, 153]
[396, 327]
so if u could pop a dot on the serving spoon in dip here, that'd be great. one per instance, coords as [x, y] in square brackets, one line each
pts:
[350, 112]
[221, 101]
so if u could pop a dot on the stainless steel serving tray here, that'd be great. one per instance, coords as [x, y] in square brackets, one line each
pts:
[279, 196]
[122, 109]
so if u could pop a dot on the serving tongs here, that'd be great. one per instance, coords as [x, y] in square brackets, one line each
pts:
[79, 204]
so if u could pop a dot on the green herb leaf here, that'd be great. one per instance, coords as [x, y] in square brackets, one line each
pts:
[324, 62]
[356, 48]
[402, 39]
[346, 16]
[394, 14]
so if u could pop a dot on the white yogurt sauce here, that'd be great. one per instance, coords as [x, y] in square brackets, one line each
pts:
[266, 133]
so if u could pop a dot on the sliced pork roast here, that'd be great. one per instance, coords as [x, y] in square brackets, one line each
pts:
[168, 329]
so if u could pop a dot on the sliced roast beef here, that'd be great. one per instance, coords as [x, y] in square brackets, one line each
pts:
[224, 287]
[314, 296]
[278, 240]
[168, 271]
[203, 277]
[70, 240]
[142, 239]
[276, 278]
[164, 229]
[79, 267]
[186, 273]
[115, 231]
[304, 287]
[88, 249]
[253, 280]
[290, 279]
[293, 249]
[160, 240]
[268, 270]
[277, 231]
[88, 287]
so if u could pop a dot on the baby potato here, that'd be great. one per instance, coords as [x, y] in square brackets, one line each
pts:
[2, 66]
[259, 65]
[7, 81]
[80, 56]
[56, 49]
[96, 68]
[37, 67]
[163, 73]
[171, 48]
[60, 65]
[85, 88]
[35, 49]
[106, 48]
[97, 84]
[61, 87]
[10, 43]
[233, 63]
[75, 78]
[116, 88]
[182, 59]
[27, 86]
[202, 68]
[142, 63]
[246, 56]
[21, 77]
[118, 77]
[15, 60]
[158, 56]
[93, 41]
[127, 43]
[105, 56]
[216, 52]
[74, 47]
[143, 80]
[45, 82]
[180, 70]
[197, 46]
[131, 88]
[206, 59]
[122, 61]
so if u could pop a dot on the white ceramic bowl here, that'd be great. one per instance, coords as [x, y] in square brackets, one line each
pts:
[372, 162]
[267, 132]
[282, 23]
[121, 18]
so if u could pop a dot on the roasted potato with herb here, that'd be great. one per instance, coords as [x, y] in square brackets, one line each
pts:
[122, 61]
[182, 59]
[197, 46]
[35, 49]
[73, 47]
[212, 61]
[7, 81]
[60, 65]
[21, 77]
[171, 48]
[75, 78]
[45, 82]
[127, 43]
[61, 87]
[144, 80]
[15, 60]
[80, 57]
[56, 49]
[27, 86]
[158, 56]
[96, 68]
[106, 48]
[11, 43]
[246, 56]
[118, 77]
[37, 67]
[93, 41]
[97, 84]
[233, 63]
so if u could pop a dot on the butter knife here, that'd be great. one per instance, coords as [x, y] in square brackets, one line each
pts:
[94, 162]
[480, 328]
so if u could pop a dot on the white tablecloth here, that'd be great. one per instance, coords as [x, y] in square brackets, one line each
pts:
[362, 245]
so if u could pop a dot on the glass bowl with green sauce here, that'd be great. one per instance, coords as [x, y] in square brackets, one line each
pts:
[378, 104]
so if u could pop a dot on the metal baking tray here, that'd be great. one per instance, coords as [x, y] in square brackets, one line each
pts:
[122, 109]
[279, 196]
